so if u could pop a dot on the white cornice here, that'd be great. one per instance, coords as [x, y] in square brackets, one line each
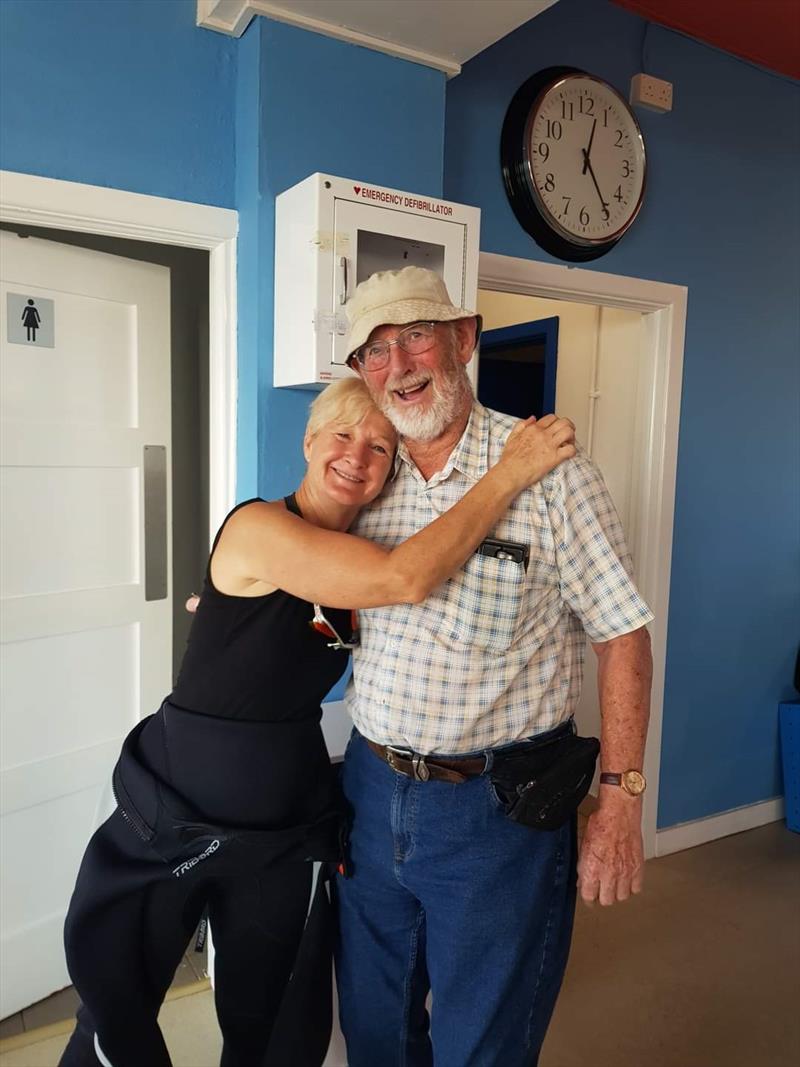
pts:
[226, 16]
[234, 16]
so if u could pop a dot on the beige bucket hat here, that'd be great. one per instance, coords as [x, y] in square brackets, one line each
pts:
[413, 294]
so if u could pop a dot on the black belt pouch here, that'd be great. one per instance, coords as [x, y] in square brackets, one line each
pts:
[541, 785]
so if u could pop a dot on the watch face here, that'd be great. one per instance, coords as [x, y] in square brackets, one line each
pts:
[633, 782]
[573, 162]
[585, 157]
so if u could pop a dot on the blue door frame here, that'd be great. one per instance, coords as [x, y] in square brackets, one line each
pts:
[539, 332]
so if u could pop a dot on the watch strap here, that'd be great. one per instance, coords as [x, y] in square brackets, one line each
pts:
[607, 778]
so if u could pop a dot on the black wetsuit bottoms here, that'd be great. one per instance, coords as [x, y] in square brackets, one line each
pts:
[202, 824]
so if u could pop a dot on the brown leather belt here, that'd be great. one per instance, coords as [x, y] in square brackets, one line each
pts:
[428, 768]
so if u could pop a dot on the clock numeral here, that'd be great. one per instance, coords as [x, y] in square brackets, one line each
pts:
[567, 105]
[543, 149]
[567, 200]
[585, 217]
[618, 194]
[606, 214]
[554, 129]
[626, 169]
[605, 116]
[588, 109]
[618, 142]
[549, 182]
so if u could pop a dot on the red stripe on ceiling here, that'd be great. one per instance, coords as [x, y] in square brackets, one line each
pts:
[766, 32]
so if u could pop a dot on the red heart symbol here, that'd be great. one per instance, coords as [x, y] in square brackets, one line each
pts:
[357, 189]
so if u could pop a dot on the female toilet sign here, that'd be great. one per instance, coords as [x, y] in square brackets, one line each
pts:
[31, 320]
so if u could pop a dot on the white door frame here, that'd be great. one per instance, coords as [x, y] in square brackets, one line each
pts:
[49, 202]
[658, 417]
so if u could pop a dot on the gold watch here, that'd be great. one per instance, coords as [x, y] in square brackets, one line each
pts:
[633, 782]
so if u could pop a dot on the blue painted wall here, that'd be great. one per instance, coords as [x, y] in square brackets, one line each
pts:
[129, 94]
[249, 256]
[721, 217]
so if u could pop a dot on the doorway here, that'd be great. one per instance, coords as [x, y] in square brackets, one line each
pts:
[656, 316]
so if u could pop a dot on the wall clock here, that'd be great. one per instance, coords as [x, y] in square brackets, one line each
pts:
[573, 163]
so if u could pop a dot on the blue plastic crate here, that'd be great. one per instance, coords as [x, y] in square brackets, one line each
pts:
[790, 749]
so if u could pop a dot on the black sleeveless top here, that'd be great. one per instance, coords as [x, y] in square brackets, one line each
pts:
[258, 658]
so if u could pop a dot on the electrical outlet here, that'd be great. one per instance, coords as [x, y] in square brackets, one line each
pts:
[650, 92]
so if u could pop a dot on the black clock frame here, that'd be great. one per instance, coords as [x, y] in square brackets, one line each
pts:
[515, 171]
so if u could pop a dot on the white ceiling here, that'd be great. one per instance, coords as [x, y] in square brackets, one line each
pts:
[440, 33]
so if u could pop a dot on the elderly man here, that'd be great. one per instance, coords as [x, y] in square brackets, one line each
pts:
[447, 894]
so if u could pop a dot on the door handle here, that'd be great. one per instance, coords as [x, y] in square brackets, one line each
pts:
[154, 468]
[343, 279]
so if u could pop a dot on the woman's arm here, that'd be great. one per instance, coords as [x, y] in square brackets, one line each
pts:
[265, 543]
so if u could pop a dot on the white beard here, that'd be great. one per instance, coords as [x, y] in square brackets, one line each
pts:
[449, 396]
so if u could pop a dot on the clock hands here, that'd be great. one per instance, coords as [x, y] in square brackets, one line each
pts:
[588, 165]
[587, 150]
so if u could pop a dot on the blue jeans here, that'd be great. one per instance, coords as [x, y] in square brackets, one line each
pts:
[449, 895]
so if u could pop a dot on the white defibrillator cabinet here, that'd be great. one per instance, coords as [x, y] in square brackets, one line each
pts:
[332, 233]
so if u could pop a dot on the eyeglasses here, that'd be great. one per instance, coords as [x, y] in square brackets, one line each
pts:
[415, 340]
[323, 626]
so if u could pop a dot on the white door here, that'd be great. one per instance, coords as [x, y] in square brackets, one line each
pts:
[86, 633]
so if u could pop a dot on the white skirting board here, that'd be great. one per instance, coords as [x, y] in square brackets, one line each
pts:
[701, 831]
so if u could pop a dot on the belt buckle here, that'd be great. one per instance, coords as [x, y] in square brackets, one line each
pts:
[397, 753]
[420, 772]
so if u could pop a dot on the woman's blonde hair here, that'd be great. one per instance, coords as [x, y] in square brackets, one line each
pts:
[346, 401]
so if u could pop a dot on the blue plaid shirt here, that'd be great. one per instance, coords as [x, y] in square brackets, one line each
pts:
[494, 654]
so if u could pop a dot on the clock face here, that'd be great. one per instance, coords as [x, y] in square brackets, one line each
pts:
[573, 162]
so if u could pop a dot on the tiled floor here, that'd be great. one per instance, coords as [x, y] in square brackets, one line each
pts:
[701, 970]
[187, 1024]
[62, 1005]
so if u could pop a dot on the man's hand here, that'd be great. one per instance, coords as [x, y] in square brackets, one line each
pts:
[611, 861]
[610, 866]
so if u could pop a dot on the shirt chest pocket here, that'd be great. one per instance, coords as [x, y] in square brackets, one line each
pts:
[481, 605]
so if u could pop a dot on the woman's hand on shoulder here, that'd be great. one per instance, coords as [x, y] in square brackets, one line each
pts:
[536, 446]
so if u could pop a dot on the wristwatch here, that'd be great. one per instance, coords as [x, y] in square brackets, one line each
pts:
[633, 782]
